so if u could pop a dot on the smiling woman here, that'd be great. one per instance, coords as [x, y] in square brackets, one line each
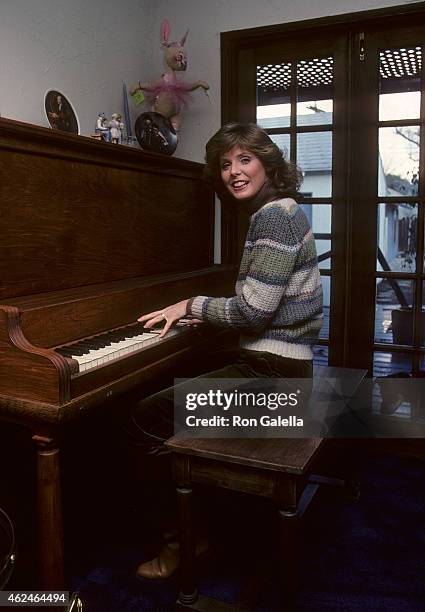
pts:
[242, 173]
[277, 306]
[248, 147]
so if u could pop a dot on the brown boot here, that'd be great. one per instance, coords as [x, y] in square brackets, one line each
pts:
[162, 566]
[168, 560]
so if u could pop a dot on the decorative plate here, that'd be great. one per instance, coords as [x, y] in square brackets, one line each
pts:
[60, 113]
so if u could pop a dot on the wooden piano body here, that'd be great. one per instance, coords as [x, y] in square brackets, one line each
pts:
[92, 235]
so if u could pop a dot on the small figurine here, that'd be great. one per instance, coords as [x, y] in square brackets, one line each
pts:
[102, 128]
[116, 127]
[169, 95]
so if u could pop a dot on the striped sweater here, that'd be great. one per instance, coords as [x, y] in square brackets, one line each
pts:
[278, 303]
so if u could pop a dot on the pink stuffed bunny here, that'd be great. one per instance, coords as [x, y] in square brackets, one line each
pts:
[169, 95]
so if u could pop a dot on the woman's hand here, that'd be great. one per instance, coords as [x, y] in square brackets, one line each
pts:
[169, 315]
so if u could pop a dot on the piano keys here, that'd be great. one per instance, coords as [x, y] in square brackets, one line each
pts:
[109, 346]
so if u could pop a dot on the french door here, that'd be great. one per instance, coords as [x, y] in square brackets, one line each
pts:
[346, 101]
[388, 201]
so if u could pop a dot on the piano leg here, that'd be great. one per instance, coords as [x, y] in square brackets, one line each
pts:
[49, 515]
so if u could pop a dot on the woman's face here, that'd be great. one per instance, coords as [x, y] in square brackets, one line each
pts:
[242, 173]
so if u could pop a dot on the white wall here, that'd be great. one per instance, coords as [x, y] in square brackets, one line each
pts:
[205, 20]
[83, 48]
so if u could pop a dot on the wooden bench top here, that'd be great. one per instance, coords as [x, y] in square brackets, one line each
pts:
[281, 455]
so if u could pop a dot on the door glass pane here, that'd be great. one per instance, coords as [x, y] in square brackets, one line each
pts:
[273, 95]
[314, 157]
[326, 285]
[315, 91]
[283, 141]
[398, 161]
[397, 230]
[392, 398]
[394, 311]
[400, 83]
[319, 216]
[391, 363]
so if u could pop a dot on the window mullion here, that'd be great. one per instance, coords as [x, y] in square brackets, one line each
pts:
[293, 120]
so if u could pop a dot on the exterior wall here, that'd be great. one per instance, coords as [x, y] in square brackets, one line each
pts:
[319, 185]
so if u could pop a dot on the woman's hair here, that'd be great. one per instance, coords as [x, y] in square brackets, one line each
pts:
[285, 177]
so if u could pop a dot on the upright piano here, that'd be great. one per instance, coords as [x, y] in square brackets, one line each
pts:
[92, 236]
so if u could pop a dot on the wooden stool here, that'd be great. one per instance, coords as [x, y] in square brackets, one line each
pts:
[275, 468]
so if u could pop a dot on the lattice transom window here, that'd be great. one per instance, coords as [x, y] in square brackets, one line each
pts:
[400, 63]
[314, 72]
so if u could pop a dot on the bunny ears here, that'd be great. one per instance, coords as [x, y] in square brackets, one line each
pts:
[165, 34]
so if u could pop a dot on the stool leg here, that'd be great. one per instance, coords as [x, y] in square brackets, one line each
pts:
[288, 524]
[188, 591]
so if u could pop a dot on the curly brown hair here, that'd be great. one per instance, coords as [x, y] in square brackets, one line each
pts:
[285, 176]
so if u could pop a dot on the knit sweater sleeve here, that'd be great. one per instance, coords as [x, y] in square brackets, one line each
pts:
[270, 253]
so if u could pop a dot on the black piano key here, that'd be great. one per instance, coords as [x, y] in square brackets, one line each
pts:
[63, 351]
[113, 336]
[70, 351]
[90, 344]
[80, 351]
[120, 334]
[130, 333]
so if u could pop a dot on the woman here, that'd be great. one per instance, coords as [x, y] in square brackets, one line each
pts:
[277, 307]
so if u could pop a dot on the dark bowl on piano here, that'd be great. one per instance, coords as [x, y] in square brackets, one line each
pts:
[155, 133]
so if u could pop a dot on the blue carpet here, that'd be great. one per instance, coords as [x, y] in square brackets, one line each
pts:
[367, 555]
